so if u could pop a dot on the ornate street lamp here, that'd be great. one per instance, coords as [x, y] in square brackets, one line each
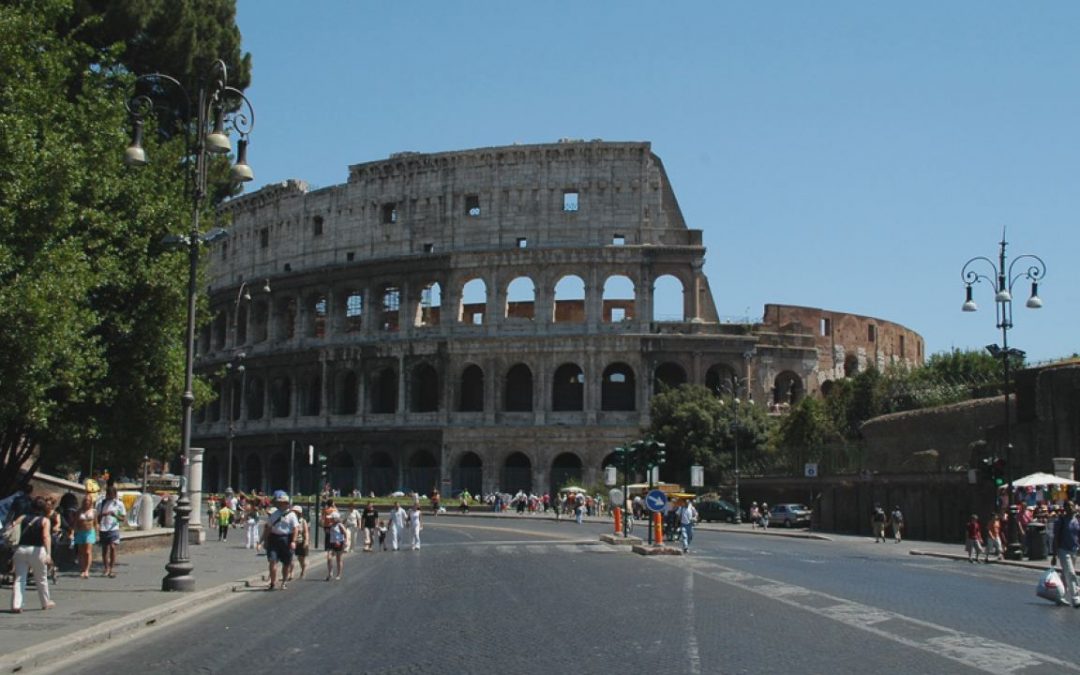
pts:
[206, 133]
[732, 388]
[1002, 279]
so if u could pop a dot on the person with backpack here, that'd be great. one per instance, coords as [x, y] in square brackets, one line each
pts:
[1066, 546]
[33, 553]
[337, 540]
[303, 539]
[279, 533]
[878, 520]
[896, 521]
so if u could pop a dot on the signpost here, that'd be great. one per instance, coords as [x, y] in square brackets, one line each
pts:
[656, 500]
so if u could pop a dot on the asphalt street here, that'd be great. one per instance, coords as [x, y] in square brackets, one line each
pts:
[527, 596]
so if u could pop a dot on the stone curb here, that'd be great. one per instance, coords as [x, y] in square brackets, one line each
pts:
[47, 653]
[1026, 564]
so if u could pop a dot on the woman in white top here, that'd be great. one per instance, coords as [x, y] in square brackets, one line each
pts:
[415, 526]
[110, 514]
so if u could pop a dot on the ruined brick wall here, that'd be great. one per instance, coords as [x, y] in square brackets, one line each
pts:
[898, 443]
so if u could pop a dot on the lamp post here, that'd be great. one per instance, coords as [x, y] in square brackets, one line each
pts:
[733, 388]
[208, 136]
[1002, 278]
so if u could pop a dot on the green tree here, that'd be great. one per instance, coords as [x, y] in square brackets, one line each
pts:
[91, 306]
[806, 434]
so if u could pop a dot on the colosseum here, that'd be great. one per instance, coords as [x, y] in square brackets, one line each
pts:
[482, 319]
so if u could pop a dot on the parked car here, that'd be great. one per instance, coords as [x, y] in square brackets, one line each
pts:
[790, 515]
[721, 510]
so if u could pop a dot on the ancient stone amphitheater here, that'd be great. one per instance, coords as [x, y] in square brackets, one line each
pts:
[483, 319]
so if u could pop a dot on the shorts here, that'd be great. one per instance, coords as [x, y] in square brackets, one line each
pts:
[301, 551]
[85, 537]
[278, 549]
[110, 537]
[336, 546]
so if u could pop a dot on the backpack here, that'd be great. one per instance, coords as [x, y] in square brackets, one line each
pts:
[13, 532]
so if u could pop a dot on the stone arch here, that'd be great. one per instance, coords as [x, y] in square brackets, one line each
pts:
[311, 405]
[429, 309]
[256, 391]
[618, 300]
[342, 472]
[721, 378]
[285, 318]
[520, 299]
[260, 321]
[346, 392]
[788, 388]
[668, 375]
[253, 477]
[568, 388]
[518, 390]
[383, 390]
[317, 311]
[569, 304]
[473, 306]
[669, 302]
[212, 475]
[565, 471]
[469, 474]
[422, 472]
[618, 388]
[381, 474]
[241, 324]
[278, 471]
[281, 396]
[389, 308]
[424, 389]
[471, 397]
[516, 473]
[827, 388]
[354, 311]
[851, 365]
[219, 330]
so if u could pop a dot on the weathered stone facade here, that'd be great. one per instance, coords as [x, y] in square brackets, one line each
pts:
[481, 319]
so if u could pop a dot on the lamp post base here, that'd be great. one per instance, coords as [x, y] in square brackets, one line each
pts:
[178, 577]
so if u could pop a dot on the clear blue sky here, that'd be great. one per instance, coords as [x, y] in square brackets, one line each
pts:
[844, 155]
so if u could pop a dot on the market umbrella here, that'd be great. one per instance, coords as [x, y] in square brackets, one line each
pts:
[1039, 478]
[573, 489]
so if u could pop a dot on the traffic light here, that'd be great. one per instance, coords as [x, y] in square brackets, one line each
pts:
[998, 472]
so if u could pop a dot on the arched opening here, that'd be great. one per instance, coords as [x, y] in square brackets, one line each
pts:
[569, 300]
[252, 478]
[281, 397]
[354, 311]
[312, 404]
[389, 308]
[241, 324]
[285, 319]
[721, 379]
[618, 303]
[520, 299]
[568, 388]
[381, 475]
[383, 393]
[617, 391]
[212, 475]
[255, 396]
[430, 305]
[517, 474]
[317, 312]
[668, 376]
[469, 474]
[260, 314]
[519, 389]
[346, 393]
[236, 392]
[787, 389]
[827, 388]
[473, 302]
[342, 473]
[472, 389]
[668, 299]
[220, 329]
[213, 407]
[851, 365]
[422, 475]
[565, 471]
[279, 471]
[424, 389]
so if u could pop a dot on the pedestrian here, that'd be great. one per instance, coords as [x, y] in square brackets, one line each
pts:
[1066, 546]
[415, 526]
[337, 540]
[687, 515]
[110, 513]
[878, 519]
[352, 523]
[436, 502]
[382, 534]
[33, 553]
[85, 535]
[765, 515]
[579, 508]
[397, 524]
[251, 524]
[993, 538]
[755, 515]
[369, 520]
[280, 530]
[896, 521]
[224, 518]
[303, 541]
[973, 545]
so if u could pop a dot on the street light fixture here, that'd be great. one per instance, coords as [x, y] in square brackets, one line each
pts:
[733, 387]
[201, 141]
[1002, 279]
[237, 364]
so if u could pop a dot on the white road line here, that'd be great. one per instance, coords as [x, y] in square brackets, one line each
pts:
[971, 650]
[692, 654]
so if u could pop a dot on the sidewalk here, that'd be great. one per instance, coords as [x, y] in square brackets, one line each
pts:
[89, 611]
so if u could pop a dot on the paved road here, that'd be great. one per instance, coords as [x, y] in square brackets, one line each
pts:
[524, 596]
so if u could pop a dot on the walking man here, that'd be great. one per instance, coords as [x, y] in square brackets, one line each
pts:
[1066, 545]
[397, 524]
[878, 519]
[353, 524]
[896, 520]
[280, 539]
[415, 526]
[687, 517]
[369, 519]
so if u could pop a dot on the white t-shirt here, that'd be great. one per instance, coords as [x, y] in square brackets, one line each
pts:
[283, 525]
[112, 513]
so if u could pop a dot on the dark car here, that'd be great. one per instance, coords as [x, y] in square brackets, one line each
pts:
[790, 515]
[721, 510]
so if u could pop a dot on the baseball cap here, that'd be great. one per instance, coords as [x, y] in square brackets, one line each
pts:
[281, 496]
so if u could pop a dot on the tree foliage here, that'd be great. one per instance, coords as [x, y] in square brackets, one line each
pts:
[91, 307]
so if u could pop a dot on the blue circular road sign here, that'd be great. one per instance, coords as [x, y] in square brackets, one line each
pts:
[656, 500]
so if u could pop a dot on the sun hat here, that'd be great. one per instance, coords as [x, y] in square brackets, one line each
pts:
[281, 496]
[297, 510]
